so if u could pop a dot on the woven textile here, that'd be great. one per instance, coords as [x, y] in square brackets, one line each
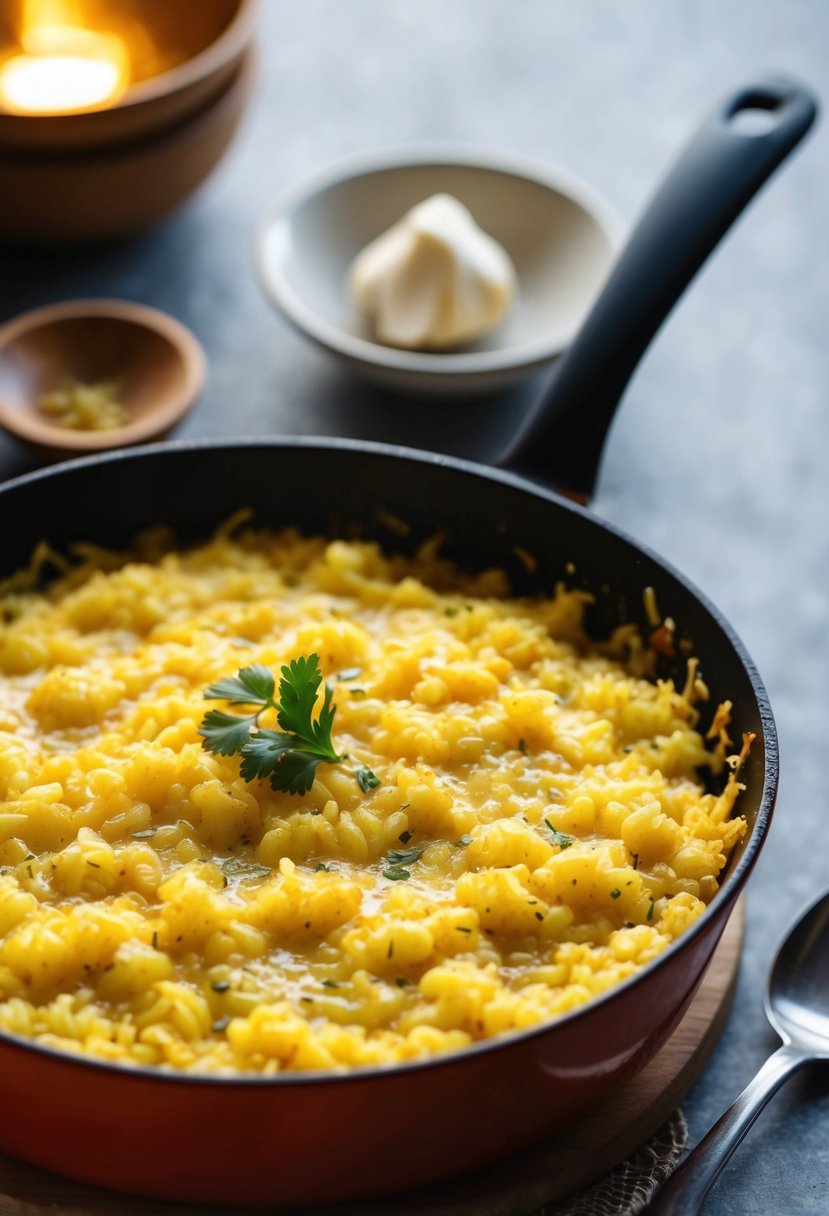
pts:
[629, 1188]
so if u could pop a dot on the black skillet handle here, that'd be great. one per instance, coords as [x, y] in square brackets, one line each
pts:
[721, 169]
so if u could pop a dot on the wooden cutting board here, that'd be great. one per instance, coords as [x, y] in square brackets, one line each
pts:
[515, 1187]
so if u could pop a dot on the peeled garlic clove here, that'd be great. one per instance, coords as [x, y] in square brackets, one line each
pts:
[434, 279]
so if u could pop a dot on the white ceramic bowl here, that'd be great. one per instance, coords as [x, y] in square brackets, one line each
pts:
[561, 235]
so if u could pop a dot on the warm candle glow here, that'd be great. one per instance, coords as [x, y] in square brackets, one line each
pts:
[61, 67]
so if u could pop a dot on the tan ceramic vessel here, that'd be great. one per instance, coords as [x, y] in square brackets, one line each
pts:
[159, 363]
[105, 174]
[114, 192]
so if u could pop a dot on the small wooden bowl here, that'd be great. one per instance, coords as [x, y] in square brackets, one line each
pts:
[160, 366]
[182, 55]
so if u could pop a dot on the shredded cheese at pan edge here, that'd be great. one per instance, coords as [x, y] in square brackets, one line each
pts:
[539, 833]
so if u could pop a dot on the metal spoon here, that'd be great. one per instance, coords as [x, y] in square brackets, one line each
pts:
[797, 1005]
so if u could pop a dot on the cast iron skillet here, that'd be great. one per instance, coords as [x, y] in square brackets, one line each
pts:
[318, 1137]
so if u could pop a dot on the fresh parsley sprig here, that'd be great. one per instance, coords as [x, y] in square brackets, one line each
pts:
[288, 757]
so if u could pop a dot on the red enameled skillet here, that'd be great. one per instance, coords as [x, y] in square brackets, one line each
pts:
[320, 1136]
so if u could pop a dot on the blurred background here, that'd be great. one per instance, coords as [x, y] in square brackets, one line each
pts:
[718, 458]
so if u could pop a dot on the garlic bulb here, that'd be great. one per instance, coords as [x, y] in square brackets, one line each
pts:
[433, 280]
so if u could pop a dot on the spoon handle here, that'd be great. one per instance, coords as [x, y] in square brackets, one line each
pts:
[685, 1190]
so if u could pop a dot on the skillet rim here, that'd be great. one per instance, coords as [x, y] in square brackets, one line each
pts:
[728, 892]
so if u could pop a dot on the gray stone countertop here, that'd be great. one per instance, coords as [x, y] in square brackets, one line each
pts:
[718, 459]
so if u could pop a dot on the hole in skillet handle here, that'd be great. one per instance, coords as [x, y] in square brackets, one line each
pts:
[755, 113]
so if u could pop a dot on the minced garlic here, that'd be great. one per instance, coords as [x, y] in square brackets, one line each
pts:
[85, 407]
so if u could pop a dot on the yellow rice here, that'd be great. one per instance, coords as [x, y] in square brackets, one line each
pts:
[157, 910]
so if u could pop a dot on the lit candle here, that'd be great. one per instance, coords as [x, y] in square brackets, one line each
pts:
[61, 67]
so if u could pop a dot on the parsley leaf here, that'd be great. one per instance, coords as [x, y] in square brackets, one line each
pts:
[296, 771]
[225, 734]
[253, 686]
[262, 752]
[298, 690]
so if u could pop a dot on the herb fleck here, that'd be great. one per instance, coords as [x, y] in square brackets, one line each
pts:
[238, 867]
[615, 893]
[396, 873]
[560, 838]
[220, 985]
[366, 779]
[405, 857]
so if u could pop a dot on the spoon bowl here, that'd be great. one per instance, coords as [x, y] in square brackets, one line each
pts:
[797, 1001]
[158, 364]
